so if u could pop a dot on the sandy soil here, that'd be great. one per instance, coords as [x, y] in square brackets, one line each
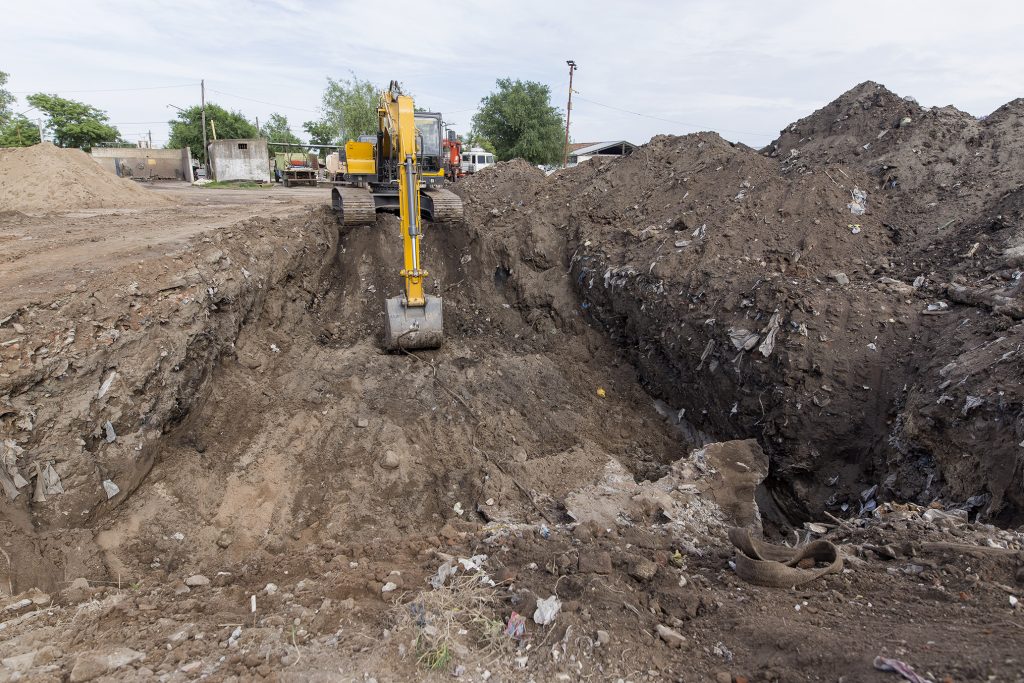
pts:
[46, 252]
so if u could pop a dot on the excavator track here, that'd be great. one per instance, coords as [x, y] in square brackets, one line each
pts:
[441, 206]
[355, 205]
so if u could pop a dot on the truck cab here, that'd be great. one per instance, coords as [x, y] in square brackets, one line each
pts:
[476, 159]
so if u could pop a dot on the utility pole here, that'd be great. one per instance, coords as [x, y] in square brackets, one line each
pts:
[206, 149]
[568, 115]
[151, 139]
[40, 123]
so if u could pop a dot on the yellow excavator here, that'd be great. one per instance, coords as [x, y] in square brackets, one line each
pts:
[402, 170]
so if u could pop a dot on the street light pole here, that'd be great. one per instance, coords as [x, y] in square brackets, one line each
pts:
[568, 115]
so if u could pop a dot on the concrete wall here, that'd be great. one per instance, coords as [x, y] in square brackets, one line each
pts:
[133, 162]
[240, 160]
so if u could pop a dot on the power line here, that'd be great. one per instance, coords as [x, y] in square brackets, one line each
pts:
[678, 123]
[270, 104]
[151, 87]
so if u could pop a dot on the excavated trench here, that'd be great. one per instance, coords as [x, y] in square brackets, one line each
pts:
[281, 422]
[256, 413]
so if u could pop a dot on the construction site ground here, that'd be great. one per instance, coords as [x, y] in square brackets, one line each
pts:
[221, 475]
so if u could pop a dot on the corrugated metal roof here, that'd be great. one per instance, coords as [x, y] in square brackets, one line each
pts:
[596, 147]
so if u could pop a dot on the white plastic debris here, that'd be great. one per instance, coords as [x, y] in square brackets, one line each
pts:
[859, 201]
[110, 488]
[442, 574]
[743, 339]
[233, 638]
[105, 387]
[475, 563]
[388, 587]
[772, 329]
[547, 610]
[110, 434]
[1014, 601]
[51, 481]
[458, 509]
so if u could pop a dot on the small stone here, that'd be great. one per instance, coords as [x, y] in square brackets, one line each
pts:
[603, 638]
[723, 677]
[642, 569]
[270, 588]
[596, 563]
[225, 539]
[94, 664]
[840, 277]
[197, 580]
[388, 587]
[390, 461]
[80, 584]
[362, 422]
[671, 637]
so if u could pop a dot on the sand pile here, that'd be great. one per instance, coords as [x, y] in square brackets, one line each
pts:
[45, 178]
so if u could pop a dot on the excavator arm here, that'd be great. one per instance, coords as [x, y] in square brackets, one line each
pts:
[414, 318]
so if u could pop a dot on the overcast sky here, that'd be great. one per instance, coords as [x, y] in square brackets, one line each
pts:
[742, 68]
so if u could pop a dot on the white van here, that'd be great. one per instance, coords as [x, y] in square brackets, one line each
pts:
[475, 160]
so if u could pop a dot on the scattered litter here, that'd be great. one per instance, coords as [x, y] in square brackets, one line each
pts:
[1014, 602]
[938, 306]
[51, 481]
[105, 387]
[854, 228]
[441, 575]
[111, 435]
[547, 610]
[388, 587]
[772, 329]
[971, 403]
[859, 201]
[273, 347]
[475, 563]
[111, 488]
[601, 392]
[743, 339]
[516, 626]
[545, 532]
[902, 668]
[458, 509]
[919, 282]
[233, 638]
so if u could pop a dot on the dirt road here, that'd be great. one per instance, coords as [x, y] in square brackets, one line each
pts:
[53, 252]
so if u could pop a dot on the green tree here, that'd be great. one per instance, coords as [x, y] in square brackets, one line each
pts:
[74, 124]
[276, 130]
[474, 139]
[321, 132]
[187, 129]
[6, 100]
[349, 110]
[15, 129]
[520, 121]
[18, 131]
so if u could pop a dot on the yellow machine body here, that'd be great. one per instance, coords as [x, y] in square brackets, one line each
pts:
[360, 158]
[414, 319]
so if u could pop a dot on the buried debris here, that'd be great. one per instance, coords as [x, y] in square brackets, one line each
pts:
[902, 668]
[775, 566]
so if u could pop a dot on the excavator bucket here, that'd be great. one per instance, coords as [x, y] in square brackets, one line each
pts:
[413, 327]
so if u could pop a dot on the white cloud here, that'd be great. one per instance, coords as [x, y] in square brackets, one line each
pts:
[731, 66]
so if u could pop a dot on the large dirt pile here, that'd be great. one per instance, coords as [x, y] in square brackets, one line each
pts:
[45, 178]
[809, 301]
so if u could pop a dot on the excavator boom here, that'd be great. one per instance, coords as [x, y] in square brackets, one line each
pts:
[414, 318]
